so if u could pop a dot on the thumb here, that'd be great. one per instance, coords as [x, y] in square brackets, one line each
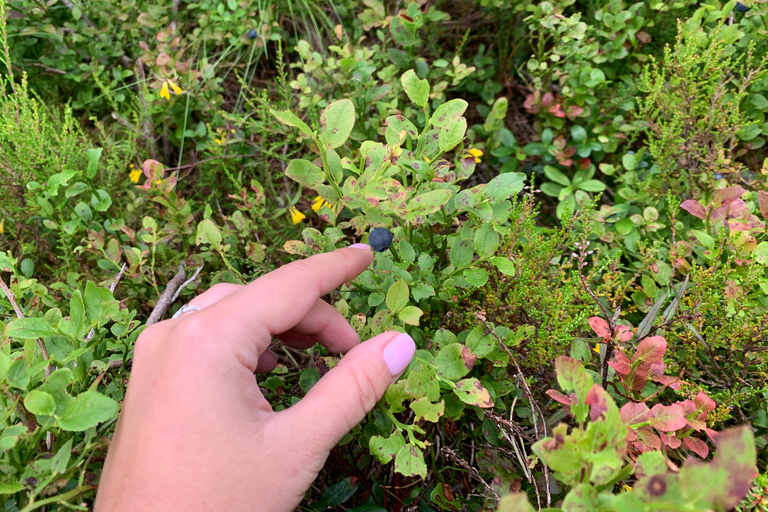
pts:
[342, 398]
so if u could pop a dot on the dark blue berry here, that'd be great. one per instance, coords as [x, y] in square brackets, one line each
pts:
[380, 239]
[740, 7]
[718, 176]
[252, 34]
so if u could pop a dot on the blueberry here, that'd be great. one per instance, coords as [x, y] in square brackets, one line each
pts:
[380, 239]
[718, 176]
[252, 34]
[740, 7]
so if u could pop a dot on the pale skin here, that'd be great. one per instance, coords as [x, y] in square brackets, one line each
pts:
[195, 432]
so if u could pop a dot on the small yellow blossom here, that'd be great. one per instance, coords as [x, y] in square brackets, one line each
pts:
[164, 89]
[474, 153]
[426, 159]
[597, 348]
[626, 488]
[176, 88]
[135, 175]
[158, 182]
[2, 226]
[319, 201]
[296, 215]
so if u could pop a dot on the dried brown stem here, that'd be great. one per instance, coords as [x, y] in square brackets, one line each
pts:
[166, 299]
[450, 454]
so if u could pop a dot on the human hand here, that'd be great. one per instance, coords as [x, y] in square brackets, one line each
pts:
[195, 432]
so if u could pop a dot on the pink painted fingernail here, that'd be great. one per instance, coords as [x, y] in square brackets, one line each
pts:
[398, 353]
[360, 246]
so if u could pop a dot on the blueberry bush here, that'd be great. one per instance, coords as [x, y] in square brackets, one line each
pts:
[568, 203]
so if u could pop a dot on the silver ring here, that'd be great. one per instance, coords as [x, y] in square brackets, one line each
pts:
[186, 308]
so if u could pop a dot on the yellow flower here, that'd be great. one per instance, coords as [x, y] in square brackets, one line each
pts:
[2, 226]
[318, 203]
[176, 88]
[474, 153]
[164, 89]
[626, 488]
[426, 159]
[597, 348]
[296, 215]
[135, 175]
[158, 182]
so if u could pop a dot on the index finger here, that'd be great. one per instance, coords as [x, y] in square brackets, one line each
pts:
[275, 302]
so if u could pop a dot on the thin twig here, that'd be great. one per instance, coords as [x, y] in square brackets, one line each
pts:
[185, 283]
[166, 299]
[534, 405]
[450, 454]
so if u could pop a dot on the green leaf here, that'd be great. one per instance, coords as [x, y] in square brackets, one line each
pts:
[454, 361]
[592, 186]
[556, 175]
[101, 201]
[337, 120]
[208, 233]
[505, 266]
[308, 378]
[517, 502]
[424, 409]
[398, 296]
[409, 461]
[93, 154]
[480, 343]
[385, 449]
[291, 119]
[427, 203]
[486, 240]
[452, 134]
[421, 382]
[11, 488]
[77, 312]
[504, 185]
[60, 461]
[551, 189]
[583, 497]
[471, 392]
[416, 89]
[462, 253]
[40, 403]
[88, 410]
[761, 253]
[448, 112]
[476, 276]
[28, 329]
[410, 315]
[629, 162]
[704, 238]
[579, 134]
[305, 172]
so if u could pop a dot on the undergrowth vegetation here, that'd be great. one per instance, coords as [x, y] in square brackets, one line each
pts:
[578, 193]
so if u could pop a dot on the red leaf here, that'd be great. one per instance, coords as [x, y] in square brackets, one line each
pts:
[712, 434]
[698, 422]
[762, 202]
[562, 398]
[632, 413]
[598, 399]
[656, 370]
[667, 418]
[548, 99]
[648, 438]
[694, 208]
[574, 111]
[670, 440]
[637, 378]
[624, 332]
[704, 403]
[697, 445]
[667, 380]
[650, 350]
[600, 327]
[620, 363]
[726, 196]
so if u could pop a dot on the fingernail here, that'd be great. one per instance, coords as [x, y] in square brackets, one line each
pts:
[398, 353]
[360, 246]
